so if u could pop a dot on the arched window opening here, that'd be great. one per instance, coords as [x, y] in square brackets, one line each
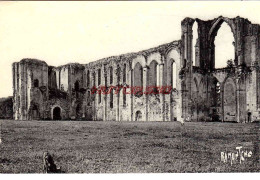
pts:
[94, 79]
[59, 79]
[195, 44]
[111, 75]
[36, 83]
[158, 75]
[118, 74]
[52, 78]
[224, 48]
[153, 74]
[88, 79]
[174, 75]
[138, 75]
[99, 77]
[124, 73]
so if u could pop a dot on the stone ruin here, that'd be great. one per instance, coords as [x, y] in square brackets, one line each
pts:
[199, 90]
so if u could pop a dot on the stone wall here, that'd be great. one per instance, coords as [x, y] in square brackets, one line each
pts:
[199, 93]
[238, 85]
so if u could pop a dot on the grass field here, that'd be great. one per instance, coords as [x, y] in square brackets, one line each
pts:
[126, 147]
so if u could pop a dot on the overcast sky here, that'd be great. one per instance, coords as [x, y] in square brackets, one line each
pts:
[63, 32]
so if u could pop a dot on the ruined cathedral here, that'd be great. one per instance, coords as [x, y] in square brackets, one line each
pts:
[200, 91]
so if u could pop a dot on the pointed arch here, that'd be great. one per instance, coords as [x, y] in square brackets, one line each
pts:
[195, 44]
[172, 67]
[111, 75]
[229, 101]
[124, 73]
[223, 44]
[138, 75]
[174, 74]
[118, 74]
[153, 73]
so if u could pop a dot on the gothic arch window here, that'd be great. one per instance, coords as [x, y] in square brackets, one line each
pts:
[124, 73]
[36, 83]
[222, 46]
[174, 74]
[153, 74]
[118, 74]
[94, 79]
[111, 75]
[88, 78]
[195, 43]
[99, 77]
[138, 75]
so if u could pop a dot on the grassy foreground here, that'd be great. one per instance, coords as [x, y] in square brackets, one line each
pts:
[126, 147]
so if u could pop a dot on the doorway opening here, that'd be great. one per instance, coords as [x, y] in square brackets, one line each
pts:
[138, 116]
[57, 113]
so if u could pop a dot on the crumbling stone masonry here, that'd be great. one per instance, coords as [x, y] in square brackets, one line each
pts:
[200, 92]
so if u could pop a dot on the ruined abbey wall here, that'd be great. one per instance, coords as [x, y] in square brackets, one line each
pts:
[199, 93]
[238, 86]
[65, 92]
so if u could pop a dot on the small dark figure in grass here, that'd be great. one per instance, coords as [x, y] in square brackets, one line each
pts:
[48, 164]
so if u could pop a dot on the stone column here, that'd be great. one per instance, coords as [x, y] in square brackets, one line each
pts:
[22, 91]
[187, 56]
[94, 97]
[118, 73]
[182, 95]
[162, 104]
[104, 101]
[253, 63]
[239, 41]
[128, 96]
[222, 101]
[145, 96]
[237, 100]
[212, 56]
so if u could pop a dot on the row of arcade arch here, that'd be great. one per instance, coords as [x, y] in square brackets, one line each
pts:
[216, 100]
